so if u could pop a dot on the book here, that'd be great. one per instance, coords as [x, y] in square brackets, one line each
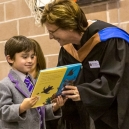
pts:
[51, 82]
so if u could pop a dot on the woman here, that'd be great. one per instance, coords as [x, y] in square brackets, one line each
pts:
[103, 50]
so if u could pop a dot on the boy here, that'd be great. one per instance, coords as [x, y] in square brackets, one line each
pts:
[15, 104]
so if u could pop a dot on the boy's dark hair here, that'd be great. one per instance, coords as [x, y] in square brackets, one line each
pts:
[17, 44]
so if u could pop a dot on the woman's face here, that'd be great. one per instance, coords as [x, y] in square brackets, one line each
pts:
[62, 36]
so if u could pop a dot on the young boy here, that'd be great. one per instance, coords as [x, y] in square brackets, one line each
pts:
[15, 101]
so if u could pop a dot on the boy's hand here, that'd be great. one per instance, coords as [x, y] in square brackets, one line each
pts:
[28, 103]
[58, 102]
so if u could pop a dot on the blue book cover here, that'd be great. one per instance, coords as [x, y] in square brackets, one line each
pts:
[52, 81]
[69, 76]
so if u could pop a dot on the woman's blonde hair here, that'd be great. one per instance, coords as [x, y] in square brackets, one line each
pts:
[65, 14]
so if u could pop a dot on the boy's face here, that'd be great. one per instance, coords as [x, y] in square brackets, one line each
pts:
[23, 61]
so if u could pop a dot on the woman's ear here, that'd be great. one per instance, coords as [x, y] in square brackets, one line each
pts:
[9, 60]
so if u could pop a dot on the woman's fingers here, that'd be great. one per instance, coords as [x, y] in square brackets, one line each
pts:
[71, 92]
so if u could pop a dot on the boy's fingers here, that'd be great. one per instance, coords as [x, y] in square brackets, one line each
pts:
[34, 102]
[35, 97]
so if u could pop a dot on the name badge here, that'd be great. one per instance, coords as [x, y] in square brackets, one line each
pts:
[94, 64]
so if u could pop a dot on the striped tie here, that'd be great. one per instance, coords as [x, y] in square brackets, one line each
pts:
[28, 83]
[30, 86]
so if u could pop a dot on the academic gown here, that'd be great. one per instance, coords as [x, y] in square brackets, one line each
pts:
[103, 82]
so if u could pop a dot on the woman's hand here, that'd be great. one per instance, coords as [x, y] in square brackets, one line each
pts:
[71, 92]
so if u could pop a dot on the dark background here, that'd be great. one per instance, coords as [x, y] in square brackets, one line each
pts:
[86, 2]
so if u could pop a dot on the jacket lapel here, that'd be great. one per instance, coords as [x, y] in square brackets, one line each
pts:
[19, 85]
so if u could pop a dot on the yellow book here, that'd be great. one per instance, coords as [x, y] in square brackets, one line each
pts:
[51, 81]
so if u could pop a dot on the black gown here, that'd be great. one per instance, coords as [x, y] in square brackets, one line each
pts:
[103, 82]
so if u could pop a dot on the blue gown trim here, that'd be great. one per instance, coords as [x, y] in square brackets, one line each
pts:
[113, 32]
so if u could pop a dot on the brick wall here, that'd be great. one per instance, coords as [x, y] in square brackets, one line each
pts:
[16, 19]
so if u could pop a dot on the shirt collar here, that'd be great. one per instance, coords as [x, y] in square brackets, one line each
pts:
[21, 75]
